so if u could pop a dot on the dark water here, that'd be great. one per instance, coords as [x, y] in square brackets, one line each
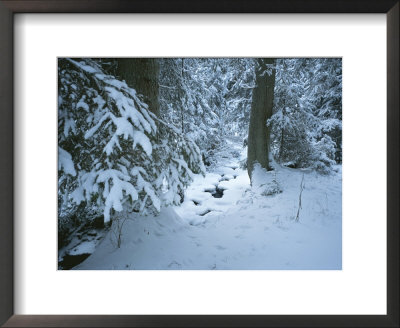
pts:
[70, 261]
[217, 193]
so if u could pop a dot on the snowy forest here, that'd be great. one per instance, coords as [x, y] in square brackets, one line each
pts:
[199, 163]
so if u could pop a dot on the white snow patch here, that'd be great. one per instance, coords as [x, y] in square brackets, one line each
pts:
[65, 162]
[86, 247]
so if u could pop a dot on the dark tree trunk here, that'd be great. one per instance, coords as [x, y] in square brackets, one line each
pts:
[181, 91]
[282, 135]
[142, 74]
[261, 111]
[281, 146]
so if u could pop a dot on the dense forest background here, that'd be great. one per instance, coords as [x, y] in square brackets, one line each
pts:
[132, 132]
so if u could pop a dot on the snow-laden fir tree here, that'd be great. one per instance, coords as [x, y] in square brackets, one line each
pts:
[306, 124]
[115, 154]
[241, 82]
[207, 98]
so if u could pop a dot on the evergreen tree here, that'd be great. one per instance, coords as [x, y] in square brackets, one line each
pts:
[207, 98]
[306, 124]
[114, 153]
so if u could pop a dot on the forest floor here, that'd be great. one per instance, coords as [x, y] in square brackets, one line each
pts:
[225, 223]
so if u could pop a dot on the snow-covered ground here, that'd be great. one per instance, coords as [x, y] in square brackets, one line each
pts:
[244, 227]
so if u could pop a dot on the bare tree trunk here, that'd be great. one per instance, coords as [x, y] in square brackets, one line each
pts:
[282, 136]
[183, 79]
[142, 74]
[281, 147]
[261, 111]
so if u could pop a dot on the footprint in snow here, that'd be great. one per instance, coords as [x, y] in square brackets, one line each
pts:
[220, 248]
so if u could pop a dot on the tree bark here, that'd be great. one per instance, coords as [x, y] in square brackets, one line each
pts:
[261, 111]
[142, 74]
[182, 116]
[282, 134]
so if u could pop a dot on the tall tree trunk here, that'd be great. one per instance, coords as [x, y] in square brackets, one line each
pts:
[282, 134]
[183, 80]
[142, 74]
[281, 145]
[261, 111]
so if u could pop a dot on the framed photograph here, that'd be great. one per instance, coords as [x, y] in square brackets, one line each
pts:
[203, 164]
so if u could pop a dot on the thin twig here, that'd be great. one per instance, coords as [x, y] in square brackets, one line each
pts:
[301, 191]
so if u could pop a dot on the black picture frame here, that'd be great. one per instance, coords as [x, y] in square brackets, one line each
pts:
[10, 7]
